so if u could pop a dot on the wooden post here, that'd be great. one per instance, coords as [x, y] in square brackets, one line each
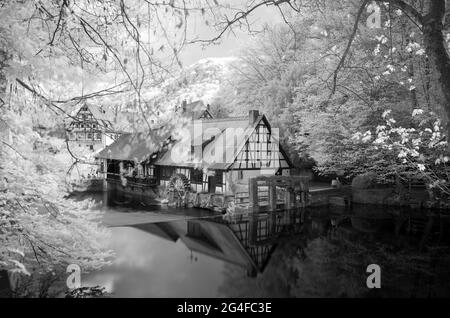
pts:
[252, 229]
[272, 223]
[253, 196]
[288, 199]
[303, 198]
[105, 192]
[272, 195]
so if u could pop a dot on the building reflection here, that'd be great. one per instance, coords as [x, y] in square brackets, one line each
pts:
[249, 240]
[245, 240]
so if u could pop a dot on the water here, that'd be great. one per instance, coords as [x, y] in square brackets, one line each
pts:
[313, 253]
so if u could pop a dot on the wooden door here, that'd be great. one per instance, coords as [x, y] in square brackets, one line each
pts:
[211, 184]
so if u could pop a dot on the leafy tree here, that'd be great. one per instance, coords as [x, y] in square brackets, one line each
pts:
[41, 230]
[330, 77]
[421, 149]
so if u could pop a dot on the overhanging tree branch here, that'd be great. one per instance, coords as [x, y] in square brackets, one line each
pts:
[349, 44]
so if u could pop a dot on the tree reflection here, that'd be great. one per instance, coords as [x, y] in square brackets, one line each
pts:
[328, 261]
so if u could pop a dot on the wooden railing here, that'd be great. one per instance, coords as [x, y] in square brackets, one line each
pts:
[273, 193]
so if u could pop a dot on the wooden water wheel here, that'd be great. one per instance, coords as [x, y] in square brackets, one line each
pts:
[179, 186]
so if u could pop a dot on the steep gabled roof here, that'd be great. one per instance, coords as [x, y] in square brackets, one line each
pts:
[99, 112]
[242, 130]
[196, 110]
[135, 147]
[214, 133]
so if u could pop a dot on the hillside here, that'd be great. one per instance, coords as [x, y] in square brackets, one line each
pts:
[200, 81]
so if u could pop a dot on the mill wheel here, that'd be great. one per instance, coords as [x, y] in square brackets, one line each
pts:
[179, 184]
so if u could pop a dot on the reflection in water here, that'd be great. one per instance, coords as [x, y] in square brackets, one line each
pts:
[285, 254]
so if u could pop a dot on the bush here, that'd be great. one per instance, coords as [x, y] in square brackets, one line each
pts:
[364, 181]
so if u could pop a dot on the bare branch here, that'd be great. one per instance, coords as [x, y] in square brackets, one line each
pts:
[349, 44]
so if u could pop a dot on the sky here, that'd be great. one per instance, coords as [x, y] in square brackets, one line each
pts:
[230, 44]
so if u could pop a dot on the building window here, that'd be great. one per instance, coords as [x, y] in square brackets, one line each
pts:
[129, 170]
[89, 136]
[150, 171]
[91, 147]
[167, 172]
[219, 177]
[98, 136]
[196, 176]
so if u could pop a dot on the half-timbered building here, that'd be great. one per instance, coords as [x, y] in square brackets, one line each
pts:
[210, 155]
[91, 126]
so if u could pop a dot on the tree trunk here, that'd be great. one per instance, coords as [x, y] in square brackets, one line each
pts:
[3, 64]
[435, 48]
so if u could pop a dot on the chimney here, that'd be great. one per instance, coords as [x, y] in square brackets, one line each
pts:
[183, 106]
[252, 116]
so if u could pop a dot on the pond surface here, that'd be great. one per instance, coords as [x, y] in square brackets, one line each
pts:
[310, 253]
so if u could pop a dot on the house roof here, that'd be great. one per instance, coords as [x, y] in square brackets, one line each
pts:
[213, 131]
[134, 147]
[196, 109]
[99, 112]
[229, 134]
